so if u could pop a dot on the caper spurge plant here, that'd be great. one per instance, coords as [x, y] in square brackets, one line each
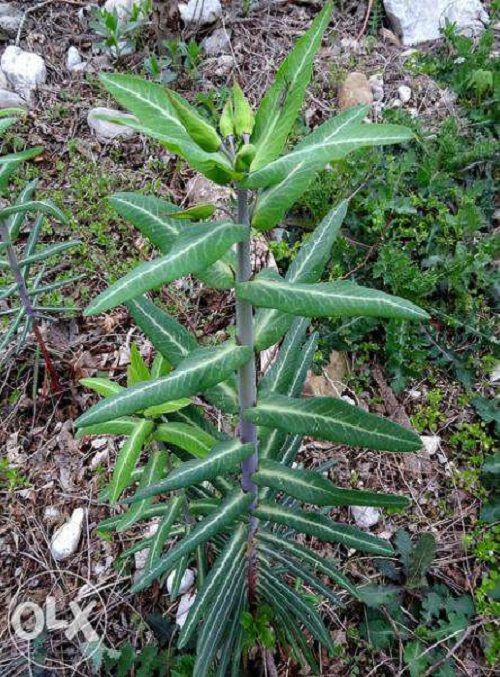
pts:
[237, 501]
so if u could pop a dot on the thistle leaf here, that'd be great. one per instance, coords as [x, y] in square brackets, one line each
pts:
[331, 419]
[202, 369]
[322, 527]
[193, 251]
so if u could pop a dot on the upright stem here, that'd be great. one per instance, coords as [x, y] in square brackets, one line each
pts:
[28, 306]
[247, 383]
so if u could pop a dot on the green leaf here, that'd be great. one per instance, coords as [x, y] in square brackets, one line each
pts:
[375, 596]
[102, 386]
[279, 108]
[43, 206]
[163, 532]
[305, 554]
[416, 658]
[243, 115]
[232, 507]
[324, 528]
[193, 251]
[199, 212]
[196, 126]
[120, 426]
[137, 371]
[308, 266]
[324, 146]
[188, 437]
[47, 252]
[223, 458]
[327, 299]
[420, 560]
[127, 459]
[327, 418]
[223, 570]
[311, 487]
[152, 473]
[167, 407]
[280, 374]
[202, 369]
[157, 118]
[16, 220]
[9, 163]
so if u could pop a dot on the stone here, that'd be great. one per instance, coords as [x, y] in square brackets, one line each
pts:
[200, 189]
[417, 22]
[122, 8]
[432, 443]
[24, 70]
[377, 84]
[73, 58]
[224, 64]
[51, 515]
[10, 18]
[10, 99]
[186, 582]
[404, 93]
[331, 381]
[365, 516]
[355, 90]
[185, 603]
[217, 43]
[65, 540]
[495, 373]
[200, 13]
[4, 83]
[105, 130]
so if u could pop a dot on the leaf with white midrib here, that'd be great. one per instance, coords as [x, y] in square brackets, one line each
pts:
[223, 569]
[193, 251]
[233, 506]
[327, 299]
[163, 532]
[223, 458]
[311, 487]
[127, 458]
[202, 369]
[332, 419]
[153, 471]
[320, 526]
[307, 266]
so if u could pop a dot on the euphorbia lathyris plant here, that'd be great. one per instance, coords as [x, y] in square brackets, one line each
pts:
[240, 504]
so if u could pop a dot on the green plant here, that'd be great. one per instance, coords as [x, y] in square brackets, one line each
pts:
[22, 290]
[181, 57]
[11, 478]
[237, 505]
[120, 34]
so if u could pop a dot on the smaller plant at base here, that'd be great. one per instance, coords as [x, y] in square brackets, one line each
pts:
[235, 505]
[25, 265]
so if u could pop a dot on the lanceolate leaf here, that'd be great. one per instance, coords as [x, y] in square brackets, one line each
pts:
[152, 473]
[222, 571]
[327, 299]
[327, 147]
[44, 206]
[308, 266]
[120, 426]
[327, 418]
[201, 370]
[280, 374]
[163, 532]
[188, 437]
[127, 458]
[149, 102]
[311, 487]
[16, 220]
[305, 554]
[193, 251]
[223, 458]
[9, 163]
[102, 386]
[324, 528]
[233, 506]
[279, 107]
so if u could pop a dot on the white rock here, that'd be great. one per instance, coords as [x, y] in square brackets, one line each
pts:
[10, 18]
[10, 99]
[217, 43]
[432, 443]
[65, 540]
[421, 21]
[107, 131]
[4, 83]
[186, 582]
[415, 394]
[73, 58]
[51, 514]
[365, 516]
[122, 7]
[24, 70]
[377, 84]
[196, 12]
[404, 93]
[495, 373]
[396, 103]
[185, 603]
[348, 399]
[99, 458]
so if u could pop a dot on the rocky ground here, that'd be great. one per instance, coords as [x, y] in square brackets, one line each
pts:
[50, 60]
